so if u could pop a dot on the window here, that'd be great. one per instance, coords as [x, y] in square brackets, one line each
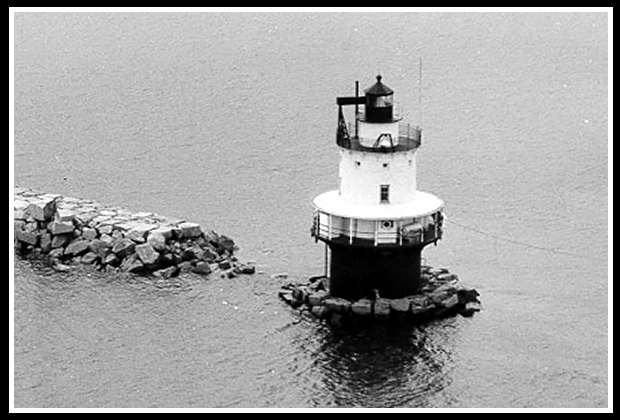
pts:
[385, 193]
[383, 101]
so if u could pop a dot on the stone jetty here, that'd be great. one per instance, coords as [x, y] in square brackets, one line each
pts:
[76, 231]
[441, 295]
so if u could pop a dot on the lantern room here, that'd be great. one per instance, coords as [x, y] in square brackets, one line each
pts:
[379, 103]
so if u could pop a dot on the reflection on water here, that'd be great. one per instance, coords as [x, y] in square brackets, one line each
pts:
[376, 366]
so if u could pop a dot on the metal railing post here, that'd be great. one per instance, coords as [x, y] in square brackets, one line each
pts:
[376, 232]
[329, 227]
[350, 231]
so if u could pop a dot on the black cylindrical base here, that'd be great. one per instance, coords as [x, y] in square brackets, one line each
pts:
[356, 271]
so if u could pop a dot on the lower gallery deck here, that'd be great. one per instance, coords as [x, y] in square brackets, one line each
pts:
[337, 221]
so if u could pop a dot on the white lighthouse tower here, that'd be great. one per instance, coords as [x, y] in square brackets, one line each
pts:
[377, 223]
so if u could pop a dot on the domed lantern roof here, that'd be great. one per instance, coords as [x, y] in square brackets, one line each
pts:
[379, 89]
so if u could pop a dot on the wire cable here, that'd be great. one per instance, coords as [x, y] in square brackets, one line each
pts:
[520, 243]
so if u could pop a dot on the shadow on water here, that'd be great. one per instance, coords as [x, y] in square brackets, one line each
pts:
[380, 365]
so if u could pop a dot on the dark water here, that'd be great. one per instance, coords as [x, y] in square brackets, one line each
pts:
[229, 121]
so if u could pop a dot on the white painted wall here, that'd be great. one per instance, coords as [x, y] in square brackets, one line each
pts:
[361, 183]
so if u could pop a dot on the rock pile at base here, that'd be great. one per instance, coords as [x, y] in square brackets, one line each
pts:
[71, 231]
[442, 295]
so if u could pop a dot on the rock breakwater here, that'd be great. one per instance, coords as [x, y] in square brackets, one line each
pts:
[442, 295]
[76, 231]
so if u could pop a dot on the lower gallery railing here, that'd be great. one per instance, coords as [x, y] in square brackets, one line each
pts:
[410, 231]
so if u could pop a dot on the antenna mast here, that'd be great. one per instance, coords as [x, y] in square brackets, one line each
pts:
[420, 94]
[357, 94]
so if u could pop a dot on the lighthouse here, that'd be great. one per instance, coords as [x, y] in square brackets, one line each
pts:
[377, 222]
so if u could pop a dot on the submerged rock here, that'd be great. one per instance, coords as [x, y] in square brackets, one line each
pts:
[202, 267]
[167, 273]
[61, 268]
[224, 265]
[470, 308]
[247, 269]
[468, 295]
[226, 243]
